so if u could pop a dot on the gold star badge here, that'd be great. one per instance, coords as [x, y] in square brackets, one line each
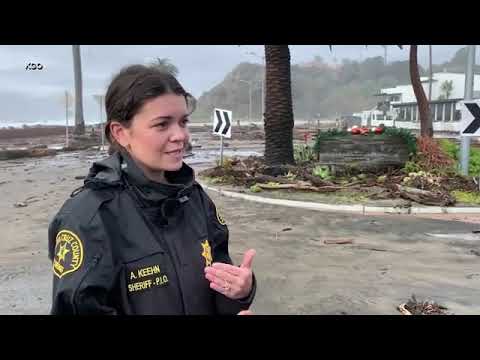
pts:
[62, 252]
[207, 253]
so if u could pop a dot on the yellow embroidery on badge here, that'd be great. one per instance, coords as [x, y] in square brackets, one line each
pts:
[220, 218]
[68, 253]
[207, 253]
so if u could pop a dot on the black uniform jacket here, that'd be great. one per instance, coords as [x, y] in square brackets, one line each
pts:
[123, 244]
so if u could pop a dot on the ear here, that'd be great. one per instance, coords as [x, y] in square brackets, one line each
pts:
[120, 133]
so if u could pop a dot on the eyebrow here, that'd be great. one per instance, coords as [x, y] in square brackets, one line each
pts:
[167, 117]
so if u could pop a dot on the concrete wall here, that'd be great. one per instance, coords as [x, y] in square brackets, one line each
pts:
[364, 152]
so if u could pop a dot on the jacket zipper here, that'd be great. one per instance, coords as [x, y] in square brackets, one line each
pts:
[91, 265]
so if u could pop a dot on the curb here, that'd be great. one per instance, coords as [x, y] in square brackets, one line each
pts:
[364, 209]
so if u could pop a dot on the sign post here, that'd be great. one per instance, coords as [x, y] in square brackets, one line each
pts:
[222, 126]
[465, 139]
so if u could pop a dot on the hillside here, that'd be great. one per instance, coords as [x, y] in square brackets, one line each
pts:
[319, 89]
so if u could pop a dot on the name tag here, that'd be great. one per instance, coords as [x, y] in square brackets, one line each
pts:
[146, 278]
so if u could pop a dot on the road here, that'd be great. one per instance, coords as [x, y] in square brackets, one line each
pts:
[391, 256]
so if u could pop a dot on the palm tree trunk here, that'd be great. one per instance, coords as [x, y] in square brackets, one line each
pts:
[430, 72]
[426, 128]
[77, 70]
[278, 106]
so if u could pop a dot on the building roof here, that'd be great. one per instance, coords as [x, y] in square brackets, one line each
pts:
[431, 102]
[387, 94]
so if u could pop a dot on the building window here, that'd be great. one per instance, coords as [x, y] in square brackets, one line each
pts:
[408, 115]
[402, 114]
[432, 112]
[458, 115]
[380, 117]
[414, 113]
[439, 112]
[448, 112]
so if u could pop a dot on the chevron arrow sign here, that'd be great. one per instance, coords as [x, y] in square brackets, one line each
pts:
[222, 122]
[470, 119]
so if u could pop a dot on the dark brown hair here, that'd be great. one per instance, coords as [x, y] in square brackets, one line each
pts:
[131, 88]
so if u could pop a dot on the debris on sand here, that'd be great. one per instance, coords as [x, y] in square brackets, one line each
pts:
[422, 188]
[339, 241]
[414, 307]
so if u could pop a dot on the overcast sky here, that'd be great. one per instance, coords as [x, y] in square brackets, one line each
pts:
[38, 96]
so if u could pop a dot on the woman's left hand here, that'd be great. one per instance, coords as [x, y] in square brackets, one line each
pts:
[232, 281]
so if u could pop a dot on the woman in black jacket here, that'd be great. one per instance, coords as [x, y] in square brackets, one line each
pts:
[141, 236]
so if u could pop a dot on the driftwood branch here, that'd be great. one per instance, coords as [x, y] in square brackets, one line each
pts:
[299, 186]
[424, 196]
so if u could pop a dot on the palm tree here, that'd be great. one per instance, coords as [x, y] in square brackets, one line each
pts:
[77, 71]
[165, 65]
[446, 88]
[278, 106]
[426, 127]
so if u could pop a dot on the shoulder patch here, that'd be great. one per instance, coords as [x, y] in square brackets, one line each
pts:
[68, 256]
[220, 218]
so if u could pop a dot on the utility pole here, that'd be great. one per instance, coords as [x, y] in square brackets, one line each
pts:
[469, 76]
[66, 118]
[249, 99]
[99, 99]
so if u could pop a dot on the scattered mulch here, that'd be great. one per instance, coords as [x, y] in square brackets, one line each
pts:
[390, 185]
[415, 307]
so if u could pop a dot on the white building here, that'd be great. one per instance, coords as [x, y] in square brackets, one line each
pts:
[398, 105]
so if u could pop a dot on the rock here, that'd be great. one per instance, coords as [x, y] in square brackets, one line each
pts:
[382, 178]
[39, 146]
[34, 152]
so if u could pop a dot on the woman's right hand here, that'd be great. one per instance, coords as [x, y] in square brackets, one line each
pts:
[245, 312]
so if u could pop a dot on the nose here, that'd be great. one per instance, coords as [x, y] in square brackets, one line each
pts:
[179, 134]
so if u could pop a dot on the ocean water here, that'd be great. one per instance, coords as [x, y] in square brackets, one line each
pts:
[8, 124]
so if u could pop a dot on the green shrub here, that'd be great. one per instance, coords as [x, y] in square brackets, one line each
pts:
[411, 166]
[303, 153]
[255, 188]
[323, 172]
[406, 135]
[453, 151]
[467, 197]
